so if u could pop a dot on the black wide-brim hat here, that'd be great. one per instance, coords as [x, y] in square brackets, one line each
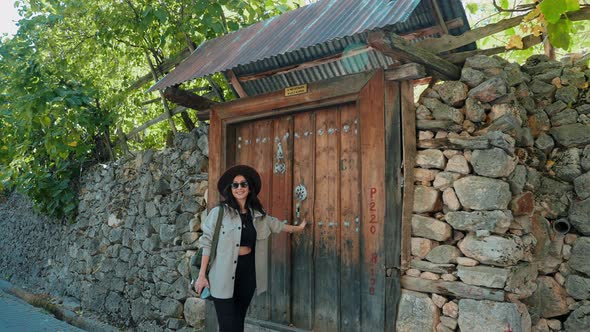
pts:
[246, 171]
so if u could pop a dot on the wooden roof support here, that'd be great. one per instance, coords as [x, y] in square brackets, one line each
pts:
[187, 98]
[201, 115]
[439, 17]
[451, 24]
[409, 71]
[408, 124]
[235, 82]
[396, 47]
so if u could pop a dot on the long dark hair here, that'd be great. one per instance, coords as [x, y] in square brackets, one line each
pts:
[252, 201]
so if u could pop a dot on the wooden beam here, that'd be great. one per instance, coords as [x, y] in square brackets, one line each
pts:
[448, 42]
[316, 92]
[396, 47]
[204, 88]
[392, 229]
[439, 17]
[408, 123]
[152, 122]
[452, 288]
[423, 81]
[235, 82]
[452, 24]
[216, 164]
[371, 106]
[201, 115]
[187, 99]
[204, 115]
[459, 58]
[409, 71]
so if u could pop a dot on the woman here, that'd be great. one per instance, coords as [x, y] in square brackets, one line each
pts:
[241, 263]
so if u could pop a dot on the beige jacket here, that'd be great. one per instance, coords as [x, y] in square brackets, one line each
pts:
[223, 269]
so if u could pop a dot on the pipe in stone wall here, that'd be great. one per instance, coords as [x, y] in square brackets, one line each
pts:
[561, 226]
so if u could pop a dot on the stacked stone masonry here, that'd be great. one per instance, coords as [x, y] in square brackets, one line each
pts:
[125, 257]
[501, 226]
[503, 169]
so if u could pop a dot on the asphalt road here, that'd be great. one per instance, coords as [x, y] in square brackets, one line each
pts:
[17, 315]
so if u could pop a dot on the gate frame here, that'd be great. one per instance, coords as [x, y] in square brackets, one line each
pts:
[398, 116]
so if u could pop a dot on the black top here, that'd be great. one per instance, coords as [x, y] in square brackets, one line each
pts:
[248, 238]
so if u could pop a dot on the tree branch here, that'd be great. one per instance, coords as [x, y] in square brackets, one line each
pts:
[525, 8]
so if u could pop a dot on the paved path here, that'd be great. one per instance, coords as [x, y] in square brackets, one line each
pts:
[18, 316]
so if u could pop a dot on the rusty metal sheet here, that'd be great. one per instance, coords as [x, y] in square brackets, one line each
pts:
[317, 23]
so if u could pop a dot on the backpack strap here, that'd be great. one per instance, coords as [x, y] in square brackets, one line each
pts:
[215, 238]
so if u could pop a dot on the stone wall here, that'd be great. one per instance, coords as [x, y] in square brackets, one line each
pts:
[125, 256]
[503, 169]
[504, 158]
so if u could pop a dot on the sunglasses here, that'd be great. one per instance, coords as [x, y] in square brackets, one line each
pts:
[236, 185]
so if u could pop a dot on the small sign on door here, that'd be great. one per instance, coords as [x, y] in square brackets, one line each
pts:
[296, 90]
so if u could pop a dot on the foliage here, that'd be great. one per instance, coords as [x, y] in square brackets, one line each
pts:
[547, 18]
[65, 79]
[49, 123]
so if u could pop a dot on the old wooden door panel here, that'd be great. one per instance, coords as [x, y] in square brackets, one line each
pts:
[393, 194]
[302, 244]
[280, 207]
[350, 219]
[371, 104]
[326, 215]
[243, 146]
[261, 159]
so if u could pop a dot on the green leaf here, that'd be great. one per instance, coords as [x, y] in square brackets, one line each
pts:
[233, 26]
[553, 9]
[472, 7]
[504, 4]
[559, 34]
[572, 5]
[161, 14]
[45, 120]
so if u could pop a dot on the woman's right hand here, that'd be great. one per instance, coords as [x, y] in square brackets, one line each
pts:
[201, 283]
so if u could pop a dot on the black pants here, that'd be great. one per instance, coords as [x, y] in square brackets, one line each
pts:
[231, 313]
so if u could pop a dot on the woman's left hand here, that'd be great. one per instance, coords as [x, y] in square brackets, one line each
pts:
[295, 229]
[302, 225]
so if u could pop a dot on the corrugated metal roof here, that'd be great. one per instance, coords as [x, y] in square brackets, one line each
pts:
[316, 24]
[364, 60]
[421, 17]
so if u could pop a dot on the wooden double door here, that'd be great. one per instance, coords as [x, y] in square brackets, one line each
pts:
[309, 168]
[325, 164]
